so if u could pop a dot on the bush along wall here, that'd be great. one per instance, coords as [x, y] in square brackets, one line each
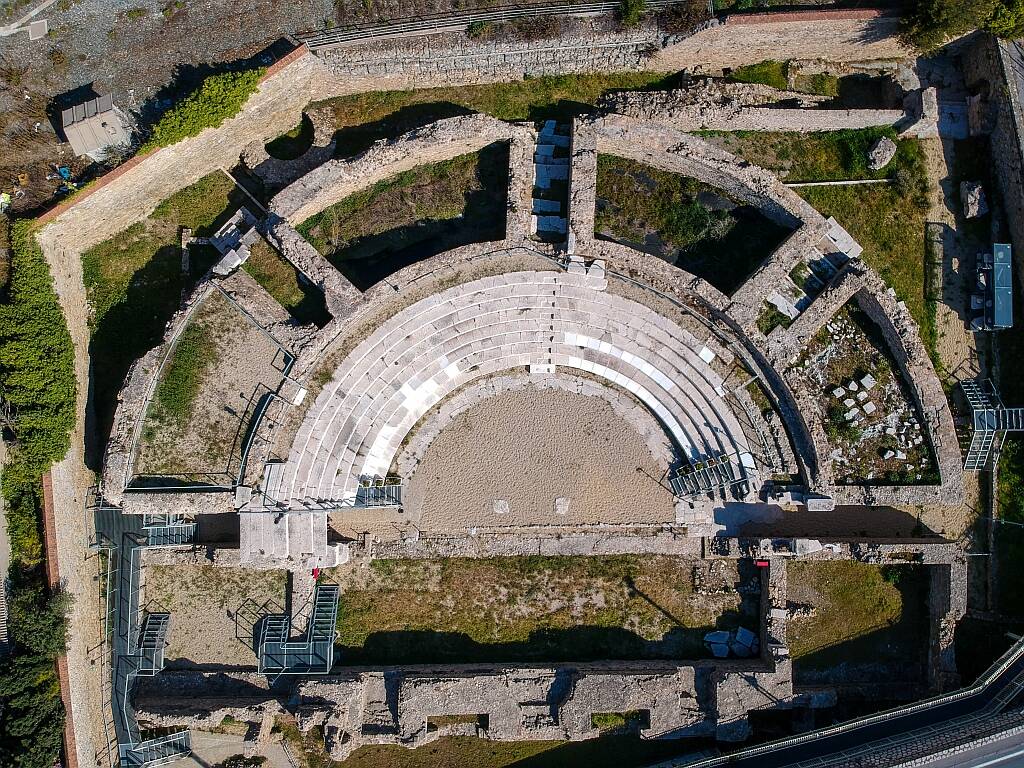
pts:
[37, 379]
[219, 98]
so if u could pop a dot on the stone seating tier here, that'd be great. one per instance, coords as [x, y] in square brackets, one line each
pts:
[409, 364]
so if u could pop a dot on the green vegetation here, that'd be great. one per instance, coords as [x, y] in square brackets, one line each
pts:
[1009, 535]
[888, 220]
[37, 371]
[479, 30]
[773, 73]
[217, 99]
[931, 23]
[531, 608]
[617, 722]
[286, 284]
[414, 215]
[134, 282]
[771, 318]
[861, 615]
[363, 118]
[178, 388]
[688, 223]
[293, 143]
[612, 751]
[838, 428]
[631, 11]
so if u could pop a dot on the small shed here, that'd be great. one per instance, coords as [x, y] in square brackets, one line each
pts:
[93, 126]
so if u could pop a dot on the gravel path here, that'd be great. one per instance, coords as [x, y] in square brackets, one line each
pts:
[71, 481]
[957, 346]
[530, 448]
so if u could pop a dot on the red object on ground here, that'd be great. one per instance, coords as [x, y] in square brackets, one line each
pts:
[316, 573]
[761, 563]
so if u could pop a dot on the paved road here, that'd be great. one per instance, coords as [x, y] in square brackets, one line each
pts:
[1008, 752]
[873, 729]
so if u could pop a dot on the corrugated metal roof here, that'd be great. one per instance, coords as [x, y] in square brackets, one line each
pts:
[93, 125]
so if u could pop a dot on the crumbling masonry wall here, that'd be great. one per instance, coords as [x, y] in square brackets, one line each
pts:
[334, 181]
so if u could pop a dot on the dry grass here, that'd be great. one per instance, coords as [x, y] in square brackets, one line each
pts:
[543, 608]
[864, 614]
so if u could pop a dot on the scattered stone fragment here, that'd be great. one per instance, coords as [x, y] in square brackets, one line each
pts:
[881, 153]
[869, 408]
[972, 196]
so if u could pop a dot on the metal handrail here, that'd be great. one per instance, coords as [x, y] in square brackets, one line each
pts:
[448, 22]
[1012, 655]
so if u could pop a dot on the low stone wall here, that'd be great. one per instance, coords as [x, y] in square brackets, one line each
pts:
[337, 179]
[455, 58]
[989, 66]
[711, 105]
[677, 152]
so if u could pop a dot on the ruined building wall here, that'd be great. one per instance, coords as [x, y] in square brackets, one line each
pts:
[834, 35]
[987, 66]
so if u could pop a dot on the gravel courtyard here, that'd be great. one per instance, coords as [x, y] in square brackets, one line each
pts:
[530, 448]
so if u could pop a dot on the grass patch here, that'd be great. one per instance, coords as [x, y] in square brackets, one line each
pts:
[414, 215]
[772, 73]
[820, 156]
[1009, 540]
[863, 614]
[134, 282]
[286, 284]
[532, 608]
[771, 318]
[688, 223]
[293, 143]
[612, 751]
[366, 117]
[179, 386]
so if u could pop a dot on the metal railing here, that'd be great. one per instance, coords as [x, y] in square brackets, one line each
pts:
[439, 23]
[1001, 665]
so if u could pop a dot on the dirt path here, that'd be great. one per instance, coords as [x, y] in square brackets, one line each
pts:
[71, 480]
[957, 346]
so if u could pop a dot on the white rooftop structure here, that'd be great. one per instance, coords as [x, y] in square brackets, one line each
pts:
[93, 126]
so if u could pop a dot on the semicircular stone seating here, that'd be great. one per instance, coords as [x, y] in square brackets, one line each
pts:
[412, 361]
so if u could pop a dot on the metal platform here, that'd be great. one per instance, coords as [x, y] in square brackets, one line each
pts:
[718, 473]
[311, 654]
[134, 643]
[989, 422]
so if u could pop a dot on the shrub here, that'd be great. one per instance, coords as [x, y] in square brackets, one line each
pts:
[479, 30]
[932, 23]
[219, 98]
[36, 357]
[631, 11]
[37, 371]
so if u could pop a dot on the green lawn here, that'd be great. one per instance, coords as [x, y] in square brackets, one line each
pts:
[688, 223]
[467, 752]
[864, 614]
[363, 118]
[133, 282]
[414, 215]
[769, 72]
[531, 608]
[282, 281]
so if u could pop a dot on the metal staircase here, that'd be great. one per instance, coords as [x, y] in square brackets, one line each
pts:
[311, 654]
[990, 421]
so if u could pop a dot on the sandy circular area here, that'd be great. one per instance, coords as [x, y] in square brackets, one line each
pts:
[515, 458]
